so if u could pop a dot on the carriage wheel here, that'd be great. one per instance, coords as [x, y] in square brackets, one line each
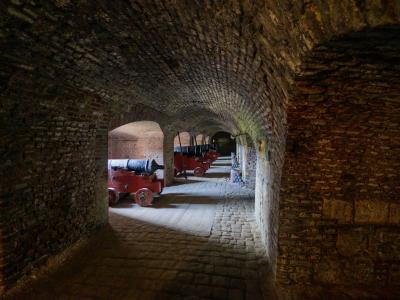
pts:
[112, 197]
[199, 172]
[144, 197]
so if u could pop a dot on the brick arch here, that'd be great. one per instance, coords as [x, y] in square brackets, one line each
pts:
[136, 113]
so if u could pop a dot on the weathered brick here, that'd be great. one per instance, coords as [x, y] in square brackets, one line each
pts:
[338, 209]
[370, 211]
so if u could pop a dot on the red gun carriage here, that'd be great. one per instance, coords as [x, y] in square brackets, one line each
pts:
[183, 162]
[210, 156]
[131, 176]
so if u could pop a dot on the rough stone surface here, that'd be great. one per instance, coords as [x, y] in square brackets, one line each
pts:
[371, 211]
[251, 163]
[340, 210]
[340, 182]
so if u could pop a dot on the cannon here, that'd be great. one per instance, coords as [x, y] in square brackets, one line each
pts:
[184, 163]
[139, 166]
[205, 152]
[211, 153]
[197, 158]
[133, 176]
[192, 158]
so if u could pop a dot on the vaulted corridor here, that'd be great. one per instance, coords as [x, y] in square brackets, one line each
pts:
[102, 99]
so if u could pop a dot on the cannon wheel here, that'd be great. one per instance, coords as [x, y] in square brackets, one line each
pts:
[144, 197]
[113, 197]
[199, 172]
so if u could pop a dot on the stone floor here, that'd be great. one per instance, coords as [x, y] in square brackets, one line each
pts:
[134, 259]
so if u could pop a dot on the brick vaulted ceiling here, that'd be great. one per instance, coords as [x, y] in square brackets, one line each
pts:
[221, 64]
[183, 58]
[136, 130]
[220, 60]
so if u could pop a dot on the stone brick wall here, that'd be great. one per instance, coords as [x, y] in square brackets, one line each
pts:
[339, 206]
[139, 148]
[185, 139]
[201, 139]
[52, 173]
[168, 172]
[143, 148]
[251, 167]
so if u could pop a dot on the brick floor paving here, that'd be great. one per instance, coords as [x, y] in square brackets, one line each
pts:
[131, 259]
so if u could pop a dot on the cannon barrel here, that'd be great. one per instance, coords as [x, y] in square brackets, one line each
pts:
[188, 152]
[193, 150]
[137, 165]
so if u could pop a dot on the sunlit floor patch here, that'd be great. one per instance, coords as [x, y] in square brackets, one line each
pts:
[186, 208]
[189, 207]
[218, 172]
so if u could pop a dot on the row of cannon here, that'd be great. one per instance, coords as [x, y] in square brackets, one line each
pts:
[198, 150]
[194, 158]
[138, 177]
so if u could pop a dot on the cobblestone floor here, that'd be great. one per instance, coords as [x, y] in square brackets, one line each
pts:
[131, 259]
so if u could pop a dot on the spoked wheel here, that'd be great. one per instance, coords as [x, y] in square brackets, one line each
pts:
[144, 197]
[112, 197]
[199, 172]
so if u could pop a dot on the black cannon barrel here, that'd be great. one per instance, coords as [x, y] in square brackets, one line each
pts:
[137, 165]
[183, 149]
[197, 151]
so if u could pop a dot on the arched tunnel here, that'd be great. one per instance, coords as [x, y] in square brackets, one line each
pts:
[307, 207]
